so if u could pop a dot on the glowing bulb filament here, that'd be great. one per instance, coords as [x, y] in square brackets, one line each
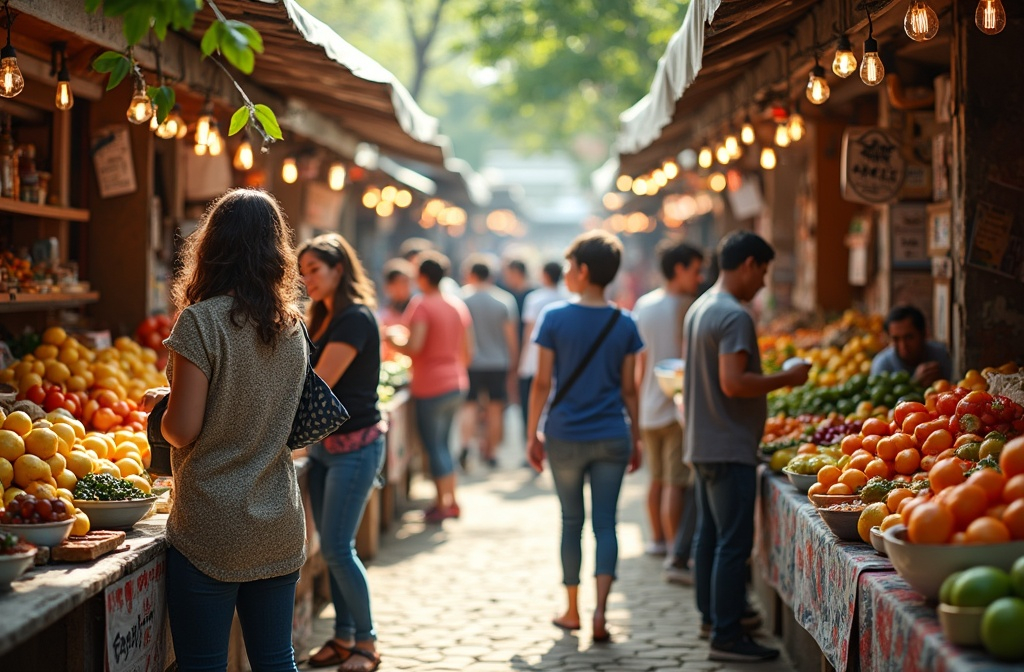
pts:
[782, 138]
[289, 171]
[747, 134]
[768, 160]
[990, 16]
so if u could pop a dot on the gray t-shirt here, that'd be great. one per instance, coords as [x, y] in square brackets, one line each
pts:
[718, 428]
[491, 309]
[889, 362]
[659, 317]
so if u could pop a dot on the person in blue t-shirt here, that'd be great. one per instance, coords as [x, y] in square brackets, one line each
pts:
[591, 428]
[926, 361]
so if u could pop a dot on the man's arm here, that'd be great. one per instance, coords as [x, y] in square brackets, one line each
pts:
[737, 382]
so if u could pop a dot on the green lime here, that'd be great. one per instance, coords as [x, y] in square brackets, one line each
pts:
[990, 447]
[980, 587]
[1017, 577]
[1001, 628]
[901, 377]
[946, 591]
[969, 451]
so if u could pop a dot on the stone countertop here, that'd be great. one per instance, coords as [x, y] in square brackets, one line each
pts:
[44, 595]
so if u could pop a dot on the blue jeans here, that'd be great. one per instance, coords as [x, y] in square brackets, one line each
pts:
[201, 609]
[434, 417]
[605, 462]
[683, 547]
[725, 536]
[339, 486]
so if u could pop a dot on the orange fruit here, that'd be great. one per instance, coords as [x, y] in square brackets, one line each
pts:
[930, 523]
[859, 462]
[986, 530]
[937, 441]
[896, 496]
[909, 504]
[911, 422]
[891, 520]
[946, 473]
[876, 427]
[828, 475]
[887, 448]
[1013, 518]
[967, 502]
[853, 479]
[907, 461]
[991, 481]
[1011, 460]
[840, 489]
[870, 443]
[816, 489]
[967, 438]
[996, 511]
[877, 467]
[1014, 489]
[958, 539]
[850, 443]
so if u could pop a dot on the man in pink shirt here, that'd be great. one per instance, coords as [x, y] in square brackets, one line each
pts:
[438, 337]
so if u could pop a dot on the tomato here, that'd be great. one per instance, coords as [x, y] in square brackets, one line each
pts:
[54, 400]
[946, 404]
[120, 408]
[36, 394]
[89, 409]
[966, 423]
[72, 405]
[911, 422]
[905, 408]
[153, 340]
[925, 429]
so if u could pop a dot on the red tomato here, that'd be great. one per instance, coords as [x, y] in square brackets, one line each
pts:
[71, 404]
[120, 408]
[905, 408]
[54, 400]
[946, 404]
[36, 394]
[153, 340]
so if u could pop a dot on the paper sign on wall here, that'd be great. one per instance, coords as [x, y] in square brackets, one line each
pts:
[112, 159]
[872, 167]
[136, 612]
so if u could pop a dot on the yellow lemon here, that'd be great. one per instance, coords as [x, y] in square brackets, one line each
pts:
[108, 467]
[68, 355]
[126, 448]
[18, 422]
[6, 473]
[66, 480]
[12, 446]
[55, 336]
[129, 467]
[140, 482]
[57, 464]
[65, 432]
[57, 372]
[871, 516]
[41, 442]
[41, 490]
[123, 435]
[46, 352]
[96, 444]
[73, 423]
[28, 468]
[81, 526]
[29, 380]
[10, 493]
[79, 463]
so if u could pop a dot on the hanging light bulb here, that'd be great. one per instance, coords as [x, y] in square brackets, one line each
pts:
[845, 63]
[623, 182]
[203, 125]
[732, 146]
[871, 69]
[722, 155]
[215, 141]
[11, 80]
[717, 182]
[154, 123]
[639, 186]
[782, 138]
[289, 170]
[140, 110]
[403, 199]
[243, 156]
[65, 98]
[768, 161]
[336, 176]
[795, 127]
[182, 127]
[921, 21]
[200, 150]
[990, 17]
[671, 169]
[747, 132]
[169, 128]
[705, 158]
[817, 87]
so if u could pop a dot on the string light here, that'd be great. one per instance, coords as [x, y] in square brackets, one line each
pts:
[921, 21]
[289, 170]
[817, 87]
[216, 141]
[705, 158]
[795, 127]
[639, 186]
[624, 183]
[202, 135]
[64, 99]
[182, 127]
[732, 146]
[403, 199]
[871, 69]
[659, 177]
[717, 182]
[782, 138]
[768, 160]
[243, 156]
[336, 176]
[140, 110]
[11, 80]
[173, 125]
[990, 17]
[747, 132]
[671, 169]
[722, 154]
[845, 63]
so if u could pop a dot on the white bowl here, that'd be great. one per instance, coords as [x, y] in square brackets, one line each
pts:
[926, 566]
[877, 540]
[41, 534]
[117, 515]
[801, 482]
[13, 566]
[669, 373]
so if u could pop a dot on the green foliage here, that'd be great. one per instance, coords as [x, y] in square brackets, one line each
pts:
[238, 42]
[117, 64]
[163, 100]
[138, 16]
[239, 119]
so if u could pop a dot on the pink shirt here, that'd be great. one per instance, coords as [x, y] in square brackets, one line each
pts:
[438, 367]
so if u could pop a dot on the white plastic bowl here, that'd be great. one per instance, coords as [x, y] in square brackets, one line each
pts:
[926, 566]
[13, 566]
[41, 534]
[801, 482]
[669, 373]
[118, 515]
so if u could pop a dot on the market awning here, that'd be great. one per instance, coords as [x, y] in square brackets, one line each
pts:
[305, 59]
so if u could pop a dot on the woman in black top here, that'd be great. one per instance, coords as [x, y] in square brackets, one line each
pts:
[345, 465]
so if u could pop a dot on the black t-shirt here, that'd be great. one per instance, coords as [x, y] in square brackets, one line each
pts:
[357, 327]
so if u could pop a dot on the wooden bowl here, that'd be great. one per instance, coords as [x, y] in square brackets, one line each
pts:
[825, 501]
[842, 523]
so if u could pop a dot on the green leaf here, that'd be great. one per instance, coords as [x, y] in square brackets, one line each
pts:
[268, 120]
[135, 25]
[211, 39]
[92, 5]
[118, 73]
[238, 120]
[252, 36]
[235, 47]
[107, 61]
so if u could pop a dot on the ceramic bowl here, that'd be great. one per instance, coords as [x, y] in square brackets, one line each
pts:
[961, 625]
[877, 540]
[801, 482]
[669, 373]
[119, 515]
[842, 523]
[926, 566]
[41, 534]
[825, 501]
[13, 566]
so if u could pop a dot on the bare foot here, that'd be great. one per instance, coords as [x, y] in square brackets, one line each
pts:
[567, 621]
[601, 633]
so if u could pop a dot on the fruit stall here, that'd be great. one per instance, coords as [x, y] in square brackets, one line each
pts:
[892, 534]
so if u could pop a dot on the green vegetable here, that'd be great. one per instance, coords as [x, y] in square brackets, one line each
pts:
[106, 488]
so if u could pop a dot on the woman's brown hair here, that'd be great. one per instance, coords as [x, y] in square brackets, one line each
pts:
[354, 287]
[243, 247]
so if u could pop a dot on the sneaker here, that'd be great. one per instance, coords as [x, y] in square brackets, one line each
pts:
[673, 561]
[743, 649]
[750, 621]
[679, 576]
[656, 548]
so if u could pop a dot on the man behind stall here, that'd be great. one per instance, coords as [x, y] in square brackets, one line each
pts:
[910, 351]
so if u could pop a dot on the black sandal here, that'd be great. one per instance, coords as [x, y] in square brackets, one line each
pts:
[371, 656]
[338, 654]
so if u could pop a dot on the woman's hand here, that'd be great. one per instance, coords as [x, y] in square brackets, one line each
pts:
[535, 453]
[397, 334]
[635, 458]
[152, 396]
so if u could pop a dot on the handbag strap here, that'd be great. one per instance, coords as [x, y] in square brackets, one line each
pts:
[563, 388]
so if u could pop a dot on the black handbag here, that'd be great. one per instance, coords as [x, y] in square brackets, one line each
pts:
[320, 413]
[159, 448]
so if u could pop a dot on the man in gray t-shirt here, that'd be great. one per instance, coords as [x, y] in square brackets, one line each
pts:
[725, 393]
[492, 371]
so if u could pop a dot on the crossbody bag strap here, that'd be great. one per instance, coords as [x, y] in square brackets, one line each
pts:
[563, 388]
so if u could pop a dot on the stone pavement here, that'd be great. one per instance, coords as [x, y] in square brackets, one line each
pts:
[478, 594]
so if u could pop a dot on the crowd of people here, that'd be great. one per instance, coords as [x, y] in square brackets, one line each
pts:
[580, 368]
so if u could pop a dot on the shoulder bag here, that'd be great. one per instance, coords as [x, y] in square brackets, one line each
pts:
[320, 413]
[563, 388]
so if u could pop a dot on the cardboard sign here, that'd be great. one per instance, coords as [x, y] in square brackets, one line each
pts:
[136, 614]
[873, 167]
[112, 159]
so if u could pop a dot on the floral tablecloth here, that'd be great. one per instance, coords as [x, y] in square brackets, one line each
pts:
[813, 572]
[900, 633]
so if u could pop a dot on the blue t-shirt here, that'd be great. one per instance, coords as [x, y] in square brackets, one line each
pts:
[888, 361]
[593, 409]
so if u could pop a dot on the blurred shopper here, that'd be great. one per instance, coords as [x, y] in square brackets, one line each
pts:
[491, 373]
[398, 286]
[237, 364]
[911, 351]
[412, 248]
[347, 464]
[725, 395]
[587, 353]
[437, 334]
[659, 317]
[536, 301]
[516, 281]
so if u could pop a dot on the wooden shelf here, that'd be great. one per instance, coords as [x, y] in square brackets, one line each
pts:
[23, 303]
[44, 211]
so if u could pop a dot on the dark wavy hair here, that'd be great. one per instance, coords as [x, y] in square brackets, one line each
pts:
[243, 247]
[354, 287]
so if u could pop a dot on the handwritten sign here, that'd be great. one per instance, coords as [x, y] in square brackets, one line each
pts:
[112, 159]
[135, 620]
[873, 167]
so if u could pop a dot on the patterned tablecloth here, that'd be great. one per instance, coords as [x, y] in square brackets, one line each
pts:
[900, 633]
[813, 572]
